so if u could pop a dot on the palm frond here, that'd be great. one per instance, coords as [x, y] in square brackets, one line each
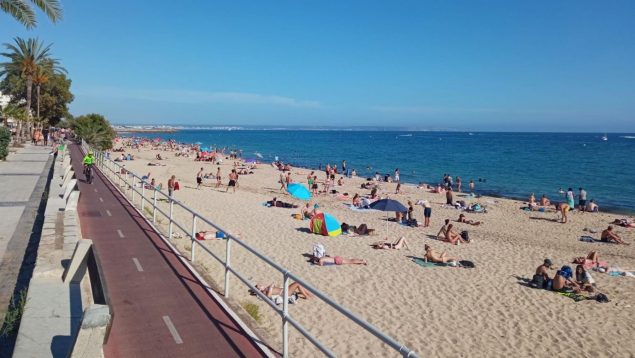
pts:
[52, 8]
[19, 10]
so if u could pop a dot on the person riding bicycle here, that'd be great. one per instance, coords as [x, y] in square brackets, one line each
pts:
[88, 161]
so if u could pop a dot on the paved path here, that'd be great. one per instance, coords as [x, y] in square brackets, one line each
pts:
[23, 177]
[160, 308]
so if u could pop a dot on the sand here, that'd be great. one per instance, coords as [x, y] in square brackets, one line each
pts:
[437, 312]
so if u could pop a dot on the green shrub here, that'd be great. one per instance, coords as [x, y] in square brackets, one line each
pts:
[5, 139]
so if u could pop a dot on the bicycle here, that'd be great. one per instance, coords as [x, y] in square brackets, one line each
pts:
[88, 172]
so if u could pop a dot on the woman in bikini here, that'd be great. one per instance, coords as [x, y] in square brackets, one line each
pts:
[463, 219]
[397, 245]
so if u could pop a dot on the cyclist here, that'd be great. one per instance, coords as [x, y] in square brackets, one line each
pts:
[88, 161]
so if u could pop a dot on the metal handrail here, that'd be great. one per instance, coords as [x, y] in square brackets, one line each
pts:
[115, 169]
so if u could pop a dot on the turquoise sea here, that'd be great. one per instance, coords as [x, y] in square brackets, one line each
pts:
[502, 164]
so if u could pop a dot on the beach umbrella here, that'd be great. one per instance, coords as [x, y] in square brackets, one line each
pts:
[388, 205]
[299, 191]
[325, 224]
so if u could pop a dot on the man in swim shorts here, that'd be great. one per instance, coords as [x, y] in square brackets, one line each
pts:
[233, 180]
[199, 178]
[582, 200]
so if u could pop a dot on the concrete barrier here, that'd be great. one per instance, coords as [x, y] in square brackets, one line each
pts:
[71, 175]
[67, 168]
[73, 199]
[77, 267]
[72, 185]
[93, 331]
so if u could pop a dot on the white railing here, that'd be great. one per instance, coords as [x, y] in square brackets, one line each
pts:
[114, 171]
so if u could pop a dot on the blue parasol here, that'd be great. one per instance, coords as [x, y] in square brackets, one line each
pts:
[299, 191]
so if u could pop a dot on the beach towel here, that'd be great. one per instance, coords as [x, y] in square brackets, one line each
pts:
[361, 210]
[586, 238]
[423, 263]
[575, 296]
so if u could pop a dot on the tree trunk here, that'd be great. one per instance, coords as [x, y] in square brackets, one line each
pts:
[29, 87]
[38, 102]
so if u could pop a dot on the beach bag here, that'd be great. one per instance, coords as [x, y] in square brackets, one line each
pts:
[318, 251]
[297, 216]
[465, 235]
[466, 264]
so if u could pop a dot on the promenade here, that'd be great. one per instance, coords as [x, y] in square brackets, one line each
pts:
[160, 309]
[23, 177]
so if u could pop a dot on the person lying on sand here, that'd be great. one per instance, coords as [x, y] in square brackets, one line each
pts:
[293, 289]
[397, 245]
[624, 223]
[280, 204]
[339, 260]
[360, 230]
[433, 256]
[562, 281]
[591, 260]
[463, 219]
[609, 236]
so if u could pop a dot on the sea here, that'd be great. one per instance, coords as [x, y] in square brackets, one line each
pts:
[501, 164]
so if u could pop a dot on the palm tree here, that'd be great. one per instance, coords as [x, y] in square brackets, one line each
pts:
[42, 74]
[25, 58]
[22, 11]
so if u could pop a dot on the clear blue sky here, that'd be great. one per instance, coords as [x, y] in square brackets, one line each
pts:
[475, 65]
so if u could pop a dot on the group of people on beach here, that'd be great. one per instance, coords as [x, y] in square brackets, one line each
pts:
[564, 279]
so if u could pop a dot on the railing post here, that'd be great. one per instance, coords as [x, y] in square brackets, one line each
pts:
[143, 194]
[132, 188]
[193, 238]
[170, 224]
[228, 257]
[154, 207]
[285, 312]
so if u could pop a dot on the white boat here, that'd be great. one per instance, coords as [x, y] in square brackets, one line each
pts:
[605, 137]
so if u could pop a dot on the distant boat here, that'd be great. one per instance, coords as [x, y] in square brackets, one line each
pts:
[605, 137]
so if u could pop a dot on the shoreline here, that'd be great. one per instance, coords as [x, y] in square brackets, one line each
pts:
[606, 208]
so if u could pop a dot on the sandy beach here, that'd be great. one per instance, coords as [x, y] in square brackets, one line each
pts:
[487, 311]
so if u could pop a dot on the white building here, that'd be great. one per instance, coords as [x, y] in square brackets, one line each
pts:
[4, 100]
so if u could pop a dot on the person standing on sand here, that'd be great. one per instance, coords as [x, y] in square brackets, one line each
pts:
[199, 178]
[218, 177]
[471, 185]
[233, 181]
[564, 209]
[582, 200]
[570, 198]
[171, 182]
[397, 175]
[449, 196]
[458, 184]
[282, 180]
[344, 167]
[427, 213]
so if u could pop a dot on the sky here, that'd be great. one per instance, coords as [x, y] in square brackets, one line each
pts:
[457, 65]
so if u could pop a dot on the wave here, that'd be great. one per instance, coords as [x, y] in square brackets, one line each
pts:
[628, 136]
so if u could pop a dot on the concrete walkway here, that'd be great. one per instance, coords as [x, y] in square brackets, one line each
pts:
[23, 177]
[160, 308]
